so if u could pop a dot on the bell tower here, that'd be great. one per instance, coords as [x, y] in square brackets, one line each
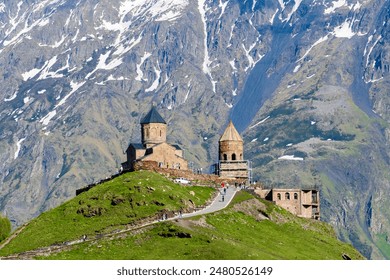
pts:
[153, 129]
[231, 162]
[231, 145]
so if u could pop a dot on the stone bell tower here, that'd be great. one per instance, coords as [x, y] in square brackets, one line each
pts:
[153, 129]
[231, 145]
[231, 164]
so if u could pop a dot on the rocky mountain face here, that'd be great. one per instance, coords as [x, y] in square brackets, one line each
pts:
[305, 82]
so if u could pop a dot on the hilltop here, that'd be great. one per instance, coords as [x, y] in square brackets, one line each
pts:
[119, 220]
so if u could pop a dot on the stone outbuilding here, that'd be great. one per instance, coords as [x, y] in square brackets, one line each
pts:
[154, 146]
[301, 202]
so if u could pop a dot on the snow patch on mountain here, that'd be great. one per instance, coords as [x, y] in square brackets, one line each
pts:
[233, 65]
[18, 146]
[260, 122]
[368, 53]
[12, 97]
[291, 157]
[335, 5]
[344, 30]
[374, 80]
[105, 64]
[167, 10]
[56, 44]
[273, 16]
[27, 21]
[46, 119]
[296, 68]
[206, 58]
[342, 4]
[156, 81]
[131, 10]
[44, 71]
[281, 3]
[189, 86]
[140, 74]
[27, 99]
[319, 41]
[251, 62]
[297, 3]
[222, 5]
[75, 86]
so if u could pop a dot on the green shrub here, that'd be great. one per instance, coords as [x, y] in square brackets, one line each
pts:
[5, 228]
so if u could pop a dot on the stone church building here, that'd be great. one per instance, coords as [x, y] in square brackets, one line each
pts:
[154, 146]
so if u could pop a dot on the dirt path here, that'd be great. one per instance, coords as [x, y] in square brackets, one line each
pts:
[14, 234]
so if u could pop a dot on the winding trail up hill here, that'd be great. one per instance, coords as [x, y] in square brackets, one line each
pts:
[217, 204]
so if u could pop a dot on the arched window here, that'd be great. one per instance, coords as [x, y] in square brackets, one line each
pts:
[233, 156]
[160, 132]
[279, 196]
[295, 196]
[287, 196]
[147, 132]
[224, 156]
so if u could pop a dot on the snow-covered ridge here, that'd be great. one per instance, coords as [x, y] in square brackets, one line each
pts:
[25, 20]
[342, 4]
[335, 5]
[342, 31]
[159, 10]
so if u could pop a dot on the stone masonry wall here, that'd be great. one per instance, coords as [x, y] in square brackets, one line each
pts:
[203, 179]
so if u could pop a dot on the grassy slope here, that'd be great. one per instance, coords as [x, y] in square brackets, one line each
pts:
[234, 233]
[143, 194]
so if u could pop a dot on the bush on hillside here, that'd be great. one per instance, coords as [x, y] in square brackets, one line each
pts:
[5, 228]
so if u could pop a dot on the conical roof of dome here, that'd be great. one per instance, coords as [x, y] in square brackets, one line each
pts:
[230, 134]
[153, 117]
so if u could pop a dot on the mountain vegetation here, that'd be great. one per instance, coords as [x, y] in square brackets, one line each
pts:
[250, 228]
[5, 228]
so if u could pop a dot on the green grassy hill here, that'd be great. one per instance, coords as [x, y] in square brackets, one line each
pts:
[250, 228]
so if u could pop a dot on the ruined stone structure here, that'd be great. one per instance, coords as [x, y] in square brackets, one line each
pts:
[231, 164]
[301, 202]
[154, 146]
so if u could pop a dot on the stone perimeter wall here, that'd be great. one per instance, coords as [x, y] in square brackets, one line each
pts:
[196, 179]
[203, 179]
